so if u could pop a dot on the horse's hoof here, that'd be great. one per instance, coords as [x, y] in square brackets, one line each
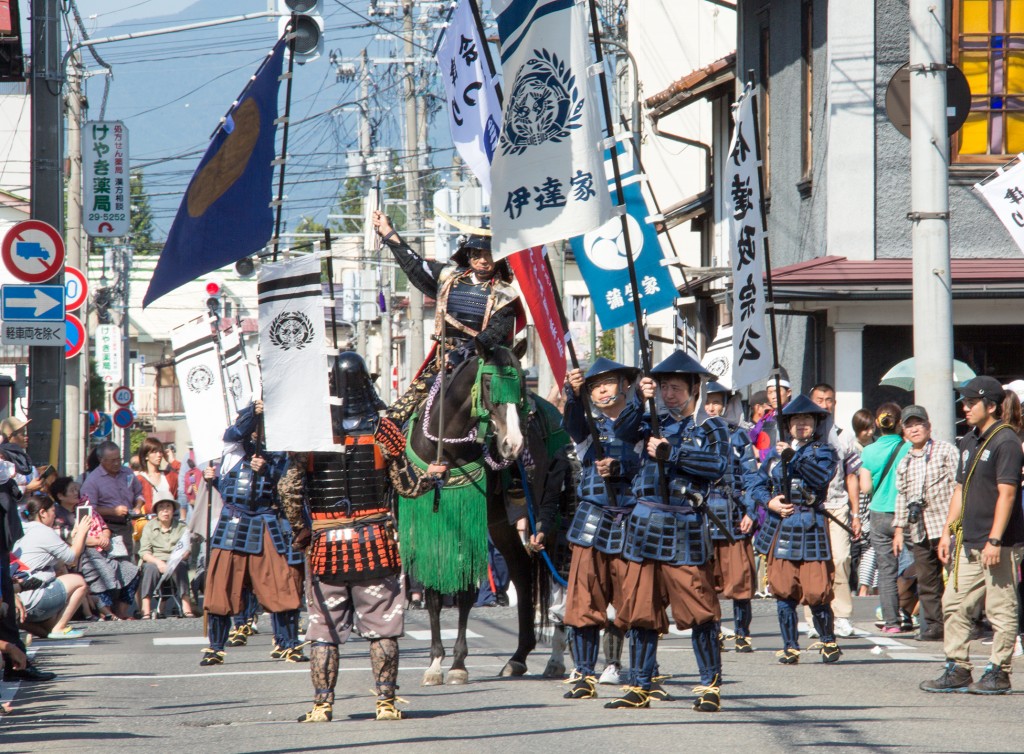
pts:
[515, 668]
[554, 669]
[434, 678]
[458, 677]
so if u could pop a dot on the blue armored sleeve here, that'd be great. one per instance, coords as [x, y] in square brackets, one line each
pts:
[630, 427]
[573, 420]
[245, 424]
[744, 461]
[758, 489]
[707, 457]
[816, 464]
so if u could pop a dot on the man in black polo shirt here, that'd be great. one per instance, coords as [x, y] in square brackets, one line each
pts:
[986, 526]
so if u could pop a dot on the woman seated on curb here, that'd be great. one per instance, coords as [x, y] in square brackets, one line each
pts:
[50, 607]
[158, 539]
[112, 581]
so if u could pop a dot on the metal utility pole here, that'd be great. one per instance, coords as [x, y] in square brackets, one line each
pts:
[46, 364]
[74, 448]
[126, 361]
[365, 147]
[929, 203]
[414, 344]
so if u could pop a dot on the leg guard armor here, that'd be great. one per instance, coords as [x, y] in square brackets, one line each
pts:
[286, 628]
[824, 622]
[742, 612]
[218, 627]
[323, 670]
[643, 656]
[585, 646]
[787, 623]
[708, 652]
[613, 645]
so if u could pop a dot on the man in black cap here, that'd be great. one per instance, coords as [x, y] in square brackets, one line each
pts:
[986, 525]
[475, 300]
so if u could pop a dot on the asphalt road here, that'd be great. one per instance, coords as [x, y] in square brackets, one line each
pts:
[139, 685]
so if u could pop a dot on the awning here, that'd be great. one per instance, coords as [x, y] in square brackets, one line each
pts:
[834, 278]
[704, 82]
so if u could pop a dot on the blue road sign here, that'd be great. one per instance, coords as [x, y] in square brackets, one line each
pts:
[124, 417]
[104, 427]
[33, 303]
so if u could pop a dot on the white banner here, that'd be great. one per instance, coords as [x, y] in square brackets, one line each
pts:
[748, 245]
[1005, 195]
[293, 359]
[107, 341]
[547, 173]
[238, 372]
[718, 358]
[474, 108]
[202, 388]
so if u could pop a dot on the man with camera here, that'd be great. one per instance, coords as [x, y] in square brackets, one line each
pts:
[925, 479]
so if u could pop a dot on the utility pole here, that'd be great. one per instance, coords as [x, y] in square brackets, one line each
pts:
[929, 203]
[46, 364]
[74, 448]
[126, 362]
[414, 344]
[365, 147]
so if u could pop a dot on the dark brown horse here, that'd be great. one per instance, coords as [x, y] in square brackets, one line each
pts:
[444, 534]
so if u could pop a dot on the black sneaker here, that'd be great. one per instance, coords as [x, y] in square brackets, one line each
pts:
[634, 698]
[954, 680]
[743, 645]
[30, 674]
[931, 634]
[585, 687]
[993, 681]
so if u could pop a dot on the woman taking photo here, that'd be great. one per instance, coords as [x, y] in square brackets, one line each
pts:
[112, 581]
[50, 606]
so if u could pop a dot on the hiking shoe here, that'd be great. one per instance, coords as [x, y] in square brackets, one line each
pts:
[931, 634]
[788, 656]
[743, 645]
[709, 698]
[238, 637]
[634, 698]
[293, 654]
[386, 709]
[611, 675]
[993, 681]
[211, 657]
[585, 687]
[955, 679]
[322, 712]
[830, 652]
[657, 693]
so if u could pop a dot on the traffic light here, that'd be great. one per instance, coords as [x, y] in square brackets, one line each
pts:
[213, 298]
[309, 27]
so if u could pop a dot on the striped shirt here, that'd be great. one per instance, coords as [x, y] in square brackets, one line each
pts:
[928, 475]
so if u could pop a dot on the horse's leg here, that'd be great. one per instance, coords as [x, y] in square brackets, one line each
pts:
[458, 674]
[556, 662]
[520, 568]
[433, 675]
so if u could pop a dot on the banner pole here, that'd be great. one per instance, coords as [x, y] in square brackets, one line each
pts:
[620, 202]
[284, 135]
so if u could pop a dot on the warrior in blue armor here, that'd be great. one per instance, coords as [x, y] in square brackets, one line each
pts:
[604, 500]
[251, 546]
[735, 573]
[789, 492]
[340, 507]
[668, 542]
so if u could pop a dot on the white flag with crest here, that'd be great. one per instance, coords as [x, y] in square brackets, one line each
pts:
[547, 175]
[197, 367]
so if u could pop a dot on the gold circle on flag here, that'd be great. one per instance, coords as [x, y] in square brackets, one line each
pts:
[231, 160]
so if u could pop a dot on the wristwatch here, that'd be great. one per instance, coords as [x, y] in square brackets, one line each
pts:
[995, 542]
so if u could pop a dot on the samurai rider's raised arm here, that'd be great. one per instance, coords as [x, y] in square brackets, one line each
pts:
[421, 272]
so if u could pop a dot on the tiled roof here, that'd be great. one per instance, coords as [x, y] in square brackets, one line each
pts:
[692, 86]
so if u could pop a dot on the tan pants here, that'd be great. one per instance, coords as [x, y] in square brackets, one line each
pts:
[277, 585]
[595, 582]
[996, 588]
[842, 600]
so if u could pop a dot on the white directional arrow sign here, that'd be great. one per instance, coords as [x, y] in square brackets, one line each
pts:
[38, 301]
[33, 303]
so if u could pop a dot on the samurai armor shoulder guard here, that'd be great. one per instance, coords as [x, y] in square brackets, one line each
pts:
[598, 527]
[676, 537]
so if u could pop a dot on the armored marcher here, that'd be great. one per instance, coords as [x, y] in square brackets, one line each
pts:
[735, 573]
[668, 541]
[789, 492]
[340, 506]
[604, 500]
[475, 301]
[251, 548]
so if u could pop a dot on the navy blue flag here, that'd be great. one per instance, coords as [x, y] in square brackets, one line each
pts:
[226, 214]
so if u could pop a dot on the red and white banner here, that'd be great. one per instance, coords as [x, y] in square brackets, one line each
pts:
[531, 273]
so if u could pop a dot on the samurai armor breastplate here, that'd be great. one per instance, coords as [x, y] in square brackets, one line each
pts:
[349, 484]
[467, 303]
[241, 487]
[356, 552]
[667, 534]
[681, 487]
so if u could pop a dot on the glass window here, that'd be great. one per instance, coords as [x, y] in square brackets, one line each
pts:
[988, 45]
